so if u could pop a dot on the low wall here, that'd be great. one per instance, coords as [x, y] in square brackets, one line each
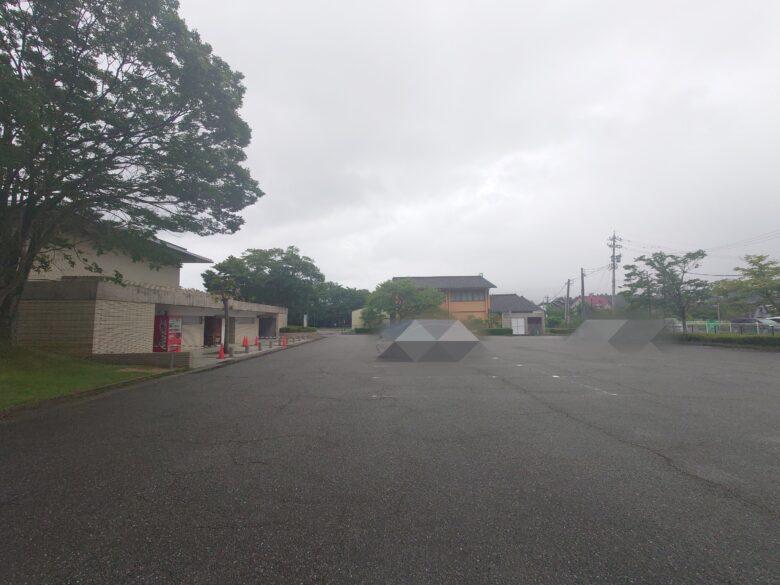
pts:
[181, 359]
[307, 335]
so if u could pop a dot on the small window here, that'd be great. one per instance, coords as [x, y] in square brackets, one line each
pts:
[467, 295]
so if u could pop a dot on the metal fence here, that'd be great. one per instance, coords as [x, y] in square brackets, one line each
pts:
[723, 327]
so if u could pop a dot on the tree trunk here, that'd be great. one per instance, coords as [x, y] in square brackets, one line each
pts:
[8, 312]
[16, 262]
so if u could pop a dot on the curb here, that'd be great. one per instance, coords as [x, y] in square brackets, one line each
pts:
[245, 357]
[18, 410]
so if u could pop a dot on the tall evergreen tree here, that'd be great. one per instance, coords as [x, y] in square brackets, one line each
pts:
[114, 118]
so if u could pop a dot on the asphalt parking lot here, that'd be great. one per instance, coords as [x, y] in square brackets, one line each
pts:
[531, 461]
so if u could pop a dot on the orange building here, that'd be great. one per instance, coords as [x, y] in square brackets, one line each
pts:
[465, 297]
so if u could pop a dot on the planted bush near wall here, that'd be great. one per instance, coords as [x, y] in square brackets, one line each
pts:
[496, 331]
[297, 329]
[771, 341]
[559, 331]
[364, 330]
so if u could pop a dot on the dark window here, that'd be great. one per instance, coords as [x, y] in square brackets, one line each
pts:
[467, 295]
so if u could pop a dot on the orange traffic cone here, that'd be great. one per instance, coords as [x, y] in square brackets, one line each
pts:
[221, 354]
[245, 343]
[284, 341]
[257, 342]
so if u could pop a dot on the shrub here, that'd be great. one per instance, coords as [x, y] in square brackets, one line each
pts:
[559, 331]
[770, 341]
[496, 331]
[364, 330]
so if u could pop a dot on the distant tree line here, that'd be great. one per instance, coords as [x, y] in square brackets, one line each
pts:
[661, 284]
[282, 276]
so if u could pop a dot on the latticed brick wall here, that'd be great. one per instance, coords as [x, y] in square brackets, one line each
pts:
[66, 326]
[123, 327]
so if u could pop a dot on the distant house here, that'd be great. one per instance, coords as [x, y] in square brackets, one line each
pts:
[465, 297]
[518, 313]
[558, 303]
[598, 302]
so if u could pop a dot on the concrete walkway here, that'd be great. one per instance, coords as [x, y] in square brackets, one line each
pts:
[206, 361]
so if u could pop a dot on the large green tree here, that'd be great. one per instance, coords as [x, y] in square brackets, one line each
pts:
[116, 119]
[758, 284]
[665, 280]
[401, 299]
[335, 304]
[275, 276]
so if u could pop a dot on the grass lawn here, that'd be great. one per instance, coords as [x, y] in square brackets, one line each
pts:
[28, 376]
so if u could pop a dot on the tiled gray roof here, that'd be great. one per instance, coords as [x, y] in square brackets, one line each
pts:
[512, 303]
[448, 282]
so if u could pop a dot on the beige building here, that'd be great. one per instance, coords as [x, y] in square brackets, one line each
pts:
[518, 313]
[465, 297]
[69, 309]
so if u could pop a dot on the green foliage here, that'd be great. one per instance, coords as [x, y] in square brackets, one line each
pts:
[401, 299]
[496, 331]
[555, 317]
[560, 330]
[28, 376]
[662, 281]
[366, 330]
[114, 116]
[763, 341]
[335, 303]
[759, 283]
[275, 276]
[373, 317]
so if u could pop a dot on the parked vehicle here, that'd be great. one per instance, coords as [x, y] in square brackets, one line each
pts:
[775, 319]
[755, 325]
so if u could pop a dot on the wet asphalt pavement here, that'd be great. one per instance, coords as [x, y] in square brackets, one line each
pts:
[530, 462]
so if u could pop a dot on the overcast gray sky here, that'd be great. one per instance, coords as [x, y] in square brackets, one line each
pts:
[508, 138]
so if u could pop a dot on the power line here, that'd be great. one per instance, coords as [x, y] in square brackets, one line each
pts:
[723, 275]
[749, 241]
[759, 239]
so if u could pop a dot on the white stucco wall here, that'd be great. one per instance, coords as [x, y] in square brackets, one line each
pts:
[191, 335]
[132, 272]
[248, 329]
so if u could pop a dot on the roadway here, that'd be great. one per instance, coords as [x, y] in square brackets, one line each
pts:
[532, 461]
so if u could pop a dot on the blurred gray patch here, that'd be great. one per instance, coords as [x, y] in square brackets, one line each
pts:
[621, 334]
[428, 340]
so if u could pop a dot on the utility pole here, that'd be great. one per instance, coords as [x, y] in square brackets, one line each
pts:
[567, 312]
[582, 294]
[614, 243]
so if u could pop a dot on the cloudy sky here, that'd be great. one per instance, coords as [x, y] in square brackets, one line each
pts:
[506, 138]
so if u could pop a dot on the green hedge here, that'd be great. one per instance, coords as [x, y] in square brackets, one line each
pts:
[771, 341]
[364, 330]
[559, 331]
[496, 331]
[297, 329]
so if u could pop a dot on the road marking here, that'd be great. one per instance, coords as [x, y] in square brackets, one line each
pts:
[494, 376]
[599, 390]
[519, 365]
[495, 358]
[554, 376]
